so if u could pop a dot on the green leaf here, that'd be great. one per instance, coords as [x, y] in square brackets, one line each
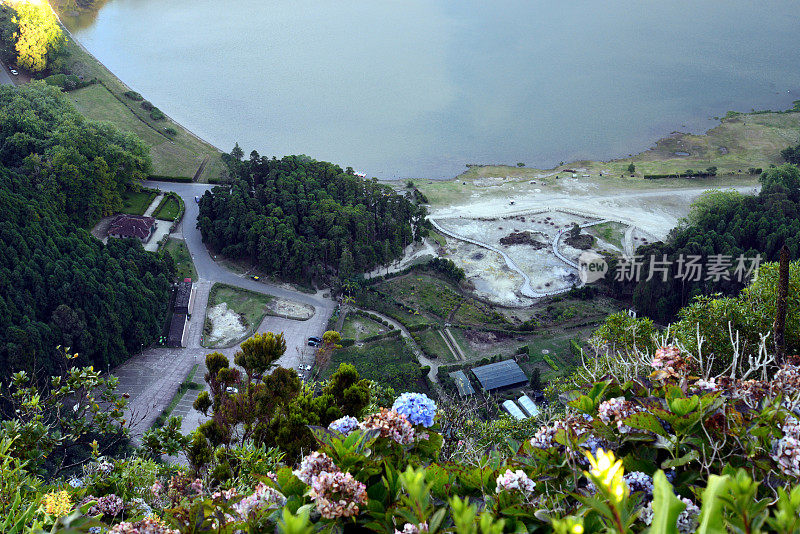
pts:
[683, 460]
[684, 406]
[711, 513]
[666, 506]
[646, 421]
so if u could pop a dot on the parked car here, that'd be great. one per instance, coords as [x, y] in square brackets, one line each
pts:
[315, 338]
[232, 390]
[312, 343]
[254, 277]
[197, 199]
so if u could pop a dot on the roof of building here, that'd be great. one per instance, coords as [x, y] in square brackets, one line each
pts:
[132, 226]
[183, 294]
[176, 326]
[513, 409]
[528, 405]
[462, 383]
[499, 375]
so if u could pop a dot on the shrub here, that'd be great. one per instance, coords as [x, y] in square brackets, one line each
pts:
[133, 95]
[170, 131]
[157, 115]
[147, 105]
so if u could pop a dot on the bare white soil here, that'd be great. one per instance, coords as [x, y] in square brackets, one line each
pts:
[290, 309]
[226, 325]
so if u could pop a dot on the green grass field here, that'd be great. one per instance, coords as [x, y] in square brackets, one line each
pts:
[168, 209]
[388, 362]
[183, 259]
[432, 343]
[136, 202]
[180, 155]
[611, 232]
[358, 327]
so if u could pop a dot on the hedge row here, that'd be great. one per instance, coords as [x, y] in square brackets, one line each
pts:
[162, 178]
[68, 82]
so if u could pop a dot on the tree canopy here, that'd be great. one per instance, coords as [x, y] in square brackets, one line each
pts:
[36, 37]
[720, 228]
[307, 220]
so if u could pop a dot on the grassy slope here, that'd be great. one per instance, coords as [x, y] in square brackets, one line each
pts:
[357, 327]
[252, 307]
[183, 259]
[181, 156]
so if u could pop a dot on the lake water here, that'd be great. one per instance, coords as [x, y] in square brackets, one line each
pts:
[418, 88]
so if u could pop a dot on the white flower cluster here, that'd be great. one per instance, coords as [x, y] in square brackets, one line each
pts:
[616, 410]
[687, 520]
[515, 481]
[705, 386]
[391, 424]
[411, 528]
[786, 451]
[263, 498]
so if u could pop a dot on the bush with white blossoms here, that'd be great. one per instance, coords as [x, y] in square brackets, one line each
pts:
[515, 481]
[786, 450]
[616, 410]
[314, 465]
[391, 424]
[417, 407]
[687, 520]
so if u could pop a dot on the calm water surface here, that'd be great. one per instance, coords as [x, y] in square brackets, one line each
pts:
[417, 88]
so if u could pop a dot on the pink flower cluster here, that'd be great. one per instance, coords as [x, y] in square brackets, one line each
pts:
[669, 363]
[616, 410]
[338, 495]
[515, 481]
[411, 528]
[109, 505]
[786, 451]
[313, 465]
[148, 525]
[391, 424]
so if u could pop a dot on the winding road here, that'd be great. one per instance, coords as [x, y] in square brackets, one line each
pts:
[152, 377]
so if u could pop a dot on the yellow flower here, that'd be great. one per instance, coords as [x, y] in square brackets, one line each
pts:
[608, 471]
[57, 503]
[577, 528]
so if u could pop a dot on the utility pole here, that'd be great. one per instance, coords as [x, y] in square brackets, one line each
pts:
[780, 311]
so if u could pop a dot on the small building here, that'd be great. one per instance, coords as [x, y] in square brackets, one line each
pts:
[500, 375]
[178, 331]
[184, 297]
[514, 410]
[465, 389]
[132, 226]
[528, 406]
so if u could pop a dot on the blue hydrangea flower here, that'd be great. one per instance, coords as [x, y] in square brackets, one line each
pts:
[345, 425]
[417, 407]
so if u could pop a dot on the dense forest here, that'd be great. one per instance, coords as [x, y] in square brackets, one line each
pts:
[307, 220]
[58, 284]
[83, 166]
[721, 227]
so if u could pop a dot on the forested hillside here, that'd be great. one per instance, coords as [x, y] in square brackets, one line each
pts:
[307, 220]
[727, 224]
[58, 284]
[81, 165]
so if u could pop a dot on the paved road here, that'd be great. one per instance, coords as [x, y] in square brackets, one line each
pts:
[5, 76]
[152, 377]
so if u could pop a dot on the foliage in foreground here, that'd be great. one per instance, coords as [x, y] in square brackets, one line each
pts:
[672, 450]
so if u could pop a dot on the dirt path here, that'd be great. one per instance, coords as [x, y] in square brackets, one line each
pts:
[453, 344]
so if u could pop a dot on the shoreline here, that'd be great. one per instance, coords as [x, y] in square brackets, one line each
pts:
[650, 158]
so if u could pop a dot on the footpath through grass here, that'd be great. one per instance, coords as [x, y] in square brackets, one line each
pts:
[184, 266]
